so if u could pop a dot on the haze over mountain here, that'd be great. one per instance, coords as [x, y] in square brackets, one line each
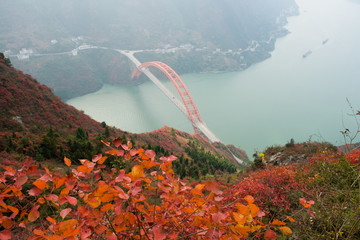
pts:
[191, 36]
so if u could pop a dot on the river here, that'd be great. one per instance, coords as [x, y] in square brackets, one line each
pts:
[287, 96]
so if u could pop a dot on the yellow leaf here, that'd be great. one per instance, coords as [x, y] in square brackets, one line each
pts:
[137, 171]
[67, 161]
[239, 218]
[286, 230]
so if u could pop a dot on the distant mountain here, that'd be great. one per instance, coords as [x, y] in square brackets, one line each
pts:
[189, 35]
[36, 123]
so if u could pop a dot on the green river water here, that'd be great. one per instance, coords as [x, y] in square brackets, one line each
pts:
[284, 97]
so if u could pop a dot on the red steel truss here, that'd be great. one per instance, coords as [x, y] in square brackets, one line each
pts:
[192, 111]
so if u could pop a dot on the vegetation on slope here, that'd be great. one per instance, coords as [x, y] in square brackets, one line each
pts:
[145, 200]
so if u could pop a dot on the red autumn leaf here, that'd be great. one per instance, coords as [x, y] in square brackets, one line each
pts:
[67, 161]
[100, 229]
[34, 191]
[117, 142]
[133, 152]
[270, 235]
[21, 180]
[85, 233]
[71, 200]
[150, 154]
[158, 233]
[217, 217]
[106, 143]
[111, 236]
[214, 187]
[5, 235]
[260, 214]
[7, 223]
[65, 212]
[96, 158]
[34, 213]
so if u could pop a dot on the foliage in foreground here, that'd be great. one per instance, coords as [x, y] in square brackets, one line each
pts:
[148, 202]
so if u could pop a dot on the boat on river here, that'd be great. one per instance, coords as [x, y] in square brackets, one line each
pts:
[307, 54]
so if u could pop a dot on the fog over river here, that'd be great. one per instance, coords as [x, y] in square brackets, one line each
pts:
[300, 92]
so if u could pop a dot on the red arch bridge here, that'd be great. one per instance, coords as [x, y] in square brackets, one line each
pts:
[186, 105]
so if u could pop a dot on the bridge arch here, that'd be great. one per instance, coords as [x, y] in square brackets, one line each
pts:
[191, 109]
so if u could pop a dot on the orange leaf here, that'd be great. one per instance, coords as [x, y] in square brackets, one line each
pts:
[243, 230]
[106, 207]
[239, 218]
[7, 223]
[137, 171]
[50, 219]
[34, 213]
[277, 222]
[244, 210]
[291, 219]
[286, 230]
[66, 225]
[107, 197]
[67, 161]
[249, 199]
[102, 160]
[54, 237]
[41, 184]
[59, 182]
[82, 169]
[253, 209]
[41, 200]
[112, 152]
[13, 209]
